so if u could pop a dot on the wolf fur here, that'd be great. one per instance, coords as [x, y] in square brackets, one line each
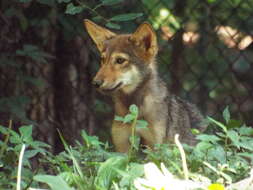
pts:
[129, 75]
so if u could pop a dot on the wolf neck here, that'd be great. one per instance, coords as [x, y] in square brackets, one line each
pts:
[146, 88]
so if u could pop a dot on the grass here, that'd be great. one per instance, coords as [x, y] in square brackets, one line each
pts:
[220, 160]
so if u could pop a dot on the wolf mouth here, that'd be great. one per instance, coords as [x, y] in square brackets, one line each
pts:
[114, 88]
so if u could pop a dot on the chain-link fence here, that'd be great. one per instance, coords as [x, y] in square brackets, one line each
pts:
[206, 52]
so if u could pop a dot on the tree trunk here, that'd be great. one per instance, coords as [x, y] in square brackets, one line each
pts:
[73, 92]
[177, 57]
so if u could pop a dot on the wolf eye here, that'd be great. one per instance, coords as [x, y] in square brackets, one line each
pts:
[120, 60]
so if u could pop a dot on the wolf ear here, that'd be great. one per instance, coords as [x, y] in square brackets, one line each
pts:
[98, 33]
[145, 38]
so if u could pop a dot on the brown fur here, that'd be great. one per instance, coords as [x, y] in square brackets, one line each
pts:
[135, 81]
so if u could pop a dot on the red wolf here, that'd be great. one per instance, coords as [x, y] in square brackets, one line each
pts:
[128, 74]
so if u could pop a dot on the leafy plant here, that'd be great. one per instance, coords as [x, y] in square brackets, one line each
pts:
[9, 155]
[34, 53]
[54, 182]
[79, 166]
[109, 22]
[229, 150]
[132, 118]
[218, 160]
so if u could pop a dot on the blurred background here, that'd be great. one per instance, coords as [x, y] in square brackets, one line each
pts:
[47, 60]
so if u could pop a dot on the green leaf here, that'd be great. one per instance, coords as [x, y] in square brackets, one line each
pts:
[63, 1]
[106, 175]
[55, 182]
[128, 118]
[208, 138]
[72, 9]
[26, 133]
[142, 124]
[15, 138]
[112, 25]
[247, 131]
[234, 124]
[246, 154]
[118, 118]
[226, 114]
[217, 153]
[247, 145]
[30, 48]
[219, 124]
[24, 23]
[90, 140]
[211, 1]
[4, 130]
[39, 144]
[25, 1]
[234, 137]
[126, 17]
[195, 131]
[34, 53]
[111, 2]
[97, 18]
[31, 153]
[46, 2]
[128, 176]
[134, 109]
[203, 146]
[201, 149]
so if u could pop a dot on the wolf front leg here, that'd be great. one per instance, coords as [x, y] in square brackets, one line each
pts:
[154, 134]
[120, 136]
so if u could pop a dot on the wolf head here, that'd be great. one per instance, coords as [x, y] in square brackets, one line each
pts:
[126, 59]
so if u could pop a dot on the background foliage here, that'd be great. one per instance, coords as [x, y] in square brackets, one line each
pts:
[47, 60]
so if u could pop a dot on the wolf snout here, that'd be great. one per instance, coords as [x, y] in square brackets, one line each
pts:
[97, 83]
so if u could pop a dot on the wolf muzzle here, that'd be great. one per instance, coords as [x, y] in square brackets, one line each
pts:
[97, 83]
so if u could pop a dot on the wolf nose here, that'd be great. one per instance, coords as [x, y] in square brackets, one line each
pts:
[97, 83]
